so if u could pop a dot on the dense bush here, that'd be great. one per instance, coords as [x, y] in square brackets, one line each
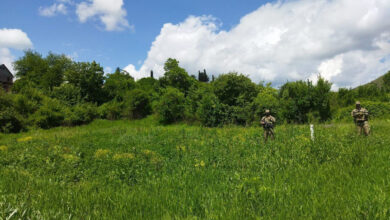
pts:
[67, 93]
[171, 106]
[10, 120]
[118, 84]
[233, 88]
[80, 114]
[137, 104]
[111, 110]
[50, 114]
[211, 112]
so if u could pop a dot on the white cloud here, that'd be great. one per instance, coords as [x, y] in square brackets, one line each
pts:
[345, 41]
[12, 39]
[54, 9]
[110, 13]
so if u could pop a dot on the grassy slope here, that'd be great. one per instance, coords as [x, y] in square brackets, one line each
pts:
[184, 172]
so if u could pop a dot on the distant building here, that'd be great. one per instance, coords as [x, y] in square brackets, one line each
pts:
[6, 78]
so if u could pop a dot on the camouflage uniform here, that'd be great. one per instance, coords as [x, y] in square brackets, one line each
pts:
[268, 124]
[360, 116]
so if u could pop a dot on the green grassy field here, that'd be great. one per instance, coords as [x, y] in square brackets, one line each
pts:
[139, 170]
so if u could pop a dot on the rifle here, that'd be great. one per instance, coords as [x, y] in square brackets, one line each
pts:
[268, 125]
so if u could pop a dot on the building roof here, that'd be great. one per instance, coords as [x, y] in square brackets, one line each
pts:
[5, 74]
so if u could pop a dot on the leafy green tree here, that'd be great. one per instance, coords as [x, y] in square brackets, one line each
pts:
[176, 77]
[50, 114]
[67, 93]
[203, 77]
[386, 81]
[44, 73]
[32, 67]
[211, 112]
[89, 77]
[321, 98]
[231, 87]
[296, 101]
[117, 84]
[171, 106]
[137, 104]
[149, 85]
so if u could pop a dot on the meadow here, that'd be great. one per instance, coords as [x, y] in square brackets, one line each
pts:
[141, 170]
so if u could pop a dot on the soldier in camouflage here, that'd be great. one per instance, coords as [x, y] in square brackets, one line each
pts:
[268, 124]
[360, 116]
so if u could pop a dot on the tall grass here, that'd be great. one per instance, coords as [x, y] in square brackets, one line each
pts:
[139, 170]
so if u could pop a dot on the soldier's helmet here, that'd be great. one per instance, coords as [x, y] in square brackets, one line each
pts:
[357, 103]
[267, 111]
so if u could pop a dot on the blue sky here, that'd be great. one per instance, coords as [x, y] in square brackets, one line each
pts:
[345, 41]
[89, 41]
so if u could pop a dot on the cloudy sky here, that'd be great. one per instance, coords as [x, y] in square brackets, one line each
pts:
[346, 41]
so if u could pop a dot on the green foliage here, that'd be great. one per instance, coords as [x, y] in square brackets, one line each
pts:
[233, 88]
[211, 112]
[117, 84]
[148, 84]
[386, 81]
[137, 104]
[45, 73]
[176, 77]
[300, 99]
[80, 114]
[203, 77]
[89, 77]
[75, 89]
[111, 110]
[10, 120]
[171, 106]
[67, 93]
[50, 114]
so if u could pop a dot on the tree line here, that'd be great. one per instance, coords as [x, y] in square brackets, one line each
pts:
[54, 90]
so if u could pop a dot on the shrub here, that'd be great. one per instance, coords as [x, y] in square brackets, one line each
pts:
[110, 110]
[232, 86]
[50, 114]
[81, 114]
[211, 112]
[67, 93]
[171, 106]
[137, 104]
[10, 120]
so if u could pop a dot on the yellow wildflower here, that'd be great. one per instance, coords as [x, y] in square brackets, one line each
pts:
[123, 156]
[70, 157]
[100, 153]
[3, 148]
[147, 152]
[200, 164]
[181, 148]
[25, 139]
